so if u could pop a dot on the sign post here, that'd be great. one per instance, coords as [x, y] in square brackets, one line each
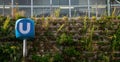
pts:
[24, 48]
[24, 29]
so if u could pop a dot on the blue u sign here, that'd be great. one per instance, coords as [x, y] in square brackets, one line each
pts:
[24, 28]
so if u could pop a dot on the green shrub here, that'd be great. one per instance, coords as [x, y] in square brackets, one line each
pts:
[44, 58]
[6, 24]
[58, 57]
[116, 40]
[9, 53]
[65, 39]
[118, 17]
[71, 51]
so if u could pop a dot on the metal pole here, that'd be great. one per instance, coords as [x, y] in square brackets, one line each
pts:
[3, 8]
[50, 7]
[24, 48]
[12, 7]
[108, 7]
[96, 10]
[69, 9]
[89, 8]
[31, 8]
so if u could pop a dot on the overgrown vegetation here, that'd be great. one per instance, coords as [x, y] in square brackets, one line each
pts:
[64, 40]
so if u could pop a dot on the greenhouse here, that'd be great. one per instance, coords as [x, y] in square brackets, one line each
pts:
[71, 8]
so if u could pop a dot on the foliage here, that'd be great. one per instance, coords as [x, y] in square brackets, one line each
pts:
[2, 19]
[65, 18]
[18, 14]
[58, 57]
[65, 39]
[9, 53]
[6, 24]
[44, 58]
[71, 51]
[116, 40]
[100, 41]
[57, 13]
[94, 18]
[118, 17]
[106, 58]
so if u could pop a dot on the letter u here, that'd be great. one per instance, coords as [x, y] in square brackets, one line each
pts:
[24, 31]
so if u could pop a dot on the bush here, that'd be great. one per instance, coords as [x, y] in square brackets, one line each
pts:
[10, 53]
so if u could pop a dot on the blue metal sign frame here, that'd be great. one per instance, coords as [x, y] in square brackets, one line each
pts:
[25, 28]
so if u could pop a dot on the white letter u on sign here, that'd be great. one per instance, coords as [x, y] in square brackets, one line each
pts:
[24, 31]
